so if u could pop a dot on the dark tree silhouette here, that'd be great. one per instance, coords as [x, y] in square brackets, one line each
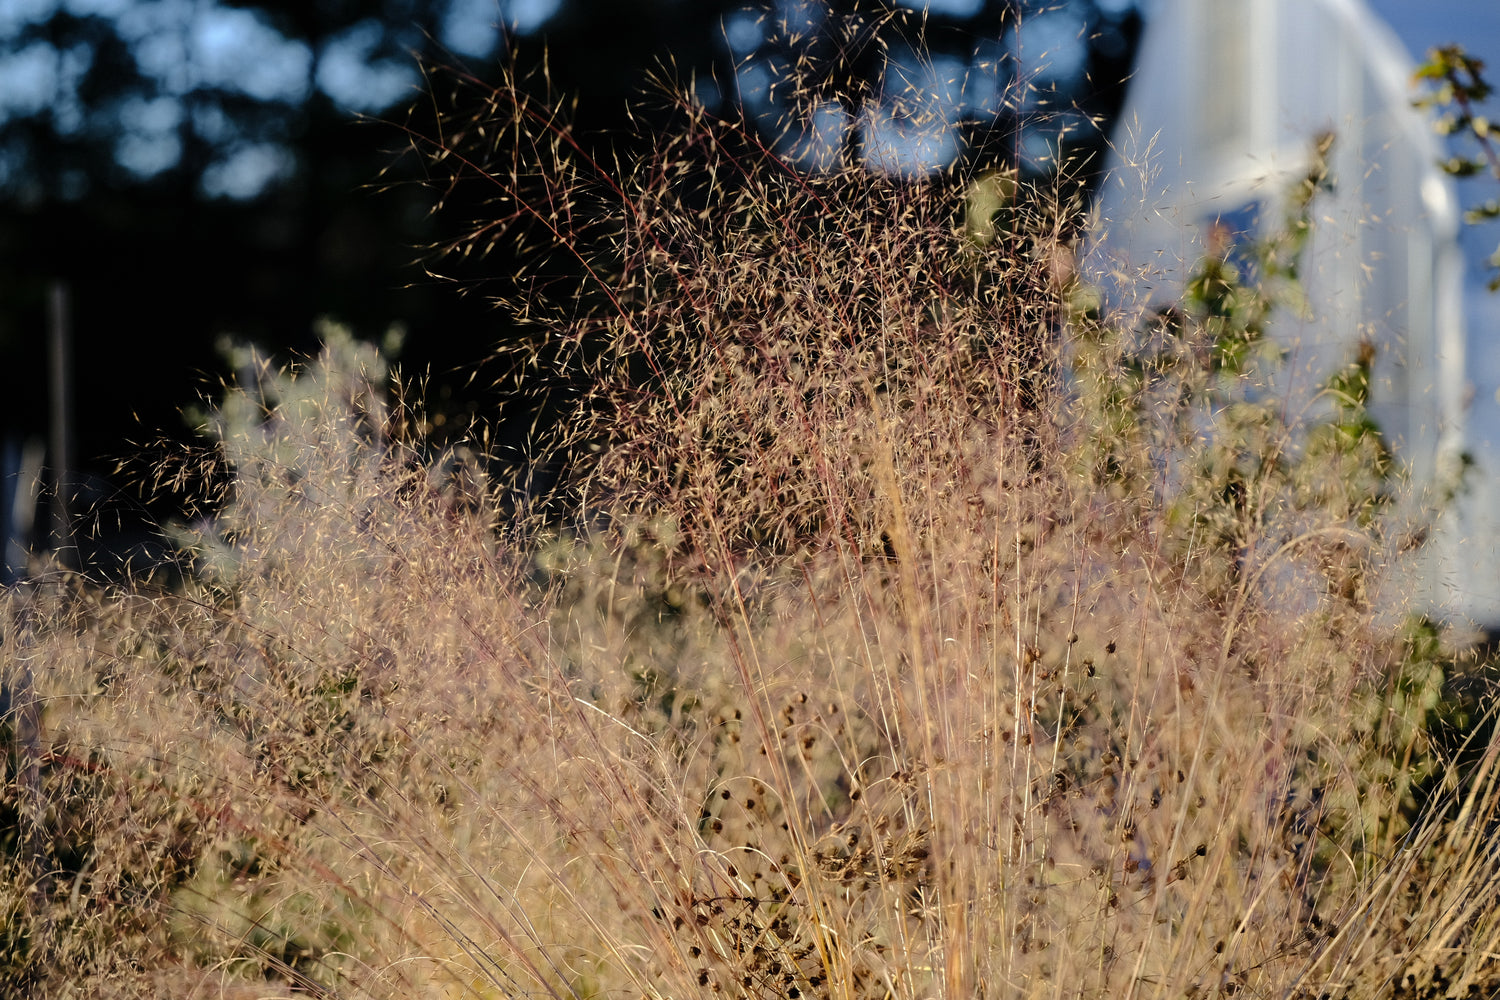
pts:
[202, 179]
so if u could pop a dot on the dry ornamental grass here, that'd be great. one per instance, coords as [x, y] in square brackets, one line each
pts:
[898, 625]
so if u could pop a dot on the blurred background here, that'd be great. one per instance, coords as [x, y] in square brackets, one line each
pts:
[178, 174]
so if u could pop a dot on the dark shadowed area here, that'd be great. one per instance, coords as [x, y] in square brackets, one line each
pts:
[195, 173]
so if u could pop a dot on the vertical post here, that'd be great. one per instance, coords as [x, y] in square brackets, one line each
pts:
[60, 443]
[20, 711]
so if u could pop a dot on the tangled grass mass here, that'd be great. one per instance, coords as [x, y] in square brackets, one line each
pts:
[873, 615]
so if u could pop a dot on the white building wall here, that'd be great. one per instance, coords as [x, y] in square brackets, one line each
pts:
[1226, 99]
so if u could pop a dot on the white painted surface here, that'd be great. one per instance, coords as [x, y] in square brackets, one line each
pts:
[1422, 25]
[1226, 99]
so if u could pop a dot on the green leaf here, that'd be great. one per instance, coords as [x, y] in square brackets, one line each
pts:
[1482, 213]
[1459, 166]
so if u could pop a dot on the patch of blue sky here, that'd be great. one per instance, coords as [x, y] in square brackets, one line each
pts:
[96, 8]
[28, 80]
[1038, 148]
[987, 81]
[157, 34]
[470, 27]
[899, 146]
[918, 84]
[526, 17]
[1050, 46]
[40, 78]
[819, 144]
[744, 31]
[354, 80]
[17, 14]
[1477, 25]
[1041, 140]
[150, 142]
[247, 171]
[757, 83]
[211, 124]
[947, 8]
[800, 18]
[984, 96]
[235, 50]
[151, 116]
[68, 113]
